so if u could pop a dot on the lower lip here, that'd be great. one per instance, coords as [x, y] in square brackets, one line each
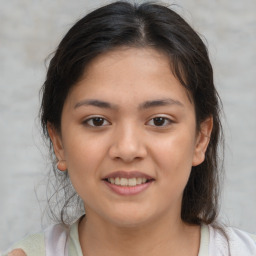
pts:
[128, 190]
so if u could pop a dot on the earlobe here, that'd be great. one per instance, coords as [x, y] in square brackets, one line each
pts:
[57, 146]
[61, 165]
[203, 140]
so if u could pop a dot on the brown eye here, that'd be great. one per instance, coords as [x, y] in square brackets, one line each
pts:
[96, 122]
[160, 121]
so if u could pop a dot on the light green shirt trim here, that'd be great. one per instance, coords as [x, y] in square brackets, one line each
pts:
[253, 237]
[74, 244]
[204, 241]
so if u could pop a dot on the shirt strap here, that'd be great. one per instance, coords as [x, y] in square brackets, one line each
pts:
[56, 240]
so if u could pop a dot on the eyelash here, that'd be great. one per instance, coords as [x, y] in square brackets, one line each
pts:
[167, 121]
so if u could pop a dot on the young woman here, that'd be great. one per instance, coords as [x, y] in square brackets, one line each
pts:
[132, 115]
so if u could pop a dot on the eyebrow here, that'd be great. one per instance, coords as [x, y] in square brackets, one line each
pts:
[144, 105]
[159, 103]
[95, 103]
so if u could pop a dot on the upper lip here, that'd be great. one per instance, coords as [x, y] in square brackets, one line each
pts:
[128, 175]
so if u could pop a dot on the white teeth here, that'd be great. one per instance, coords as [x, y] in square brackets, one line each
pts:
[127, 182]
[117, 181]
[132, 182]
[124, 182]
[139, 181]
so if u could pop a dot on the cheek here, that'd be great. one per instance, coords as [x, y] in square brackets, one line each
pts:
[174, 157]
[175, 151]
[82, 150]
[83, 156]
[82, 165]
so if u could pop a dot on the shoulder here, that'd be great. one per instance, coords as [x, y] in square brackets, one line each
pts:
[231, 241]
[30, 245]
[17, 252]
[53, 241]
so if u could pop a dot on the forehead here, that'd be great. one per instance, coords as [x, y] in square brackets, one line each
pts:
[138, 73]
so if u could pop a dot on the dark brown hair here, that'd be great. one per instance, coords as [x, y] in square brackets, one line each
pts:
[139, 25]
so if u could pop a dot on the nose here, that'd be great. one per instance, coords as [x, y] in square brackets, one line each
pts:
[127, 144]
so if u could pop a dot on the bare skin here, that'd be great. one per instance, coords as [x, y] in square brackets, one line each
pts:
[128, 113]
[182, 240]
[17, 252]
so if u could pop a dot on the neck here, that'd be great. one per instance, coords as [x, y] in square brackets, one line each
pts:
[164, 237]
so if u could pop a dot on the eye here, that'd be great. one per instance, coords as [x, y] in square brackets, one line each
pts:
[160, 121]
[96, 121]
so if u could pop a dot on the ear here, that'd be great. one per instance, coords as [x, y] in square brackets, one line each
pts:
[57, 145]
[202, 141]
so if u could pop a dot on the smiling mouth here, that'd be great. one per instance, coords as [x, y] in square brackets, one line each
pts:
[128, 183]
[125, 182]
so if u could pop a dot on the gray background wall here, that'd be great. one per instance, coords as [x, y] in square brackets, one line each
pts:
[30, 30]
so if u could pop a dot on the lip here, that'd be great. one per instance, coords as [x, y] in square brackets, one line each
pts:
[127, 190]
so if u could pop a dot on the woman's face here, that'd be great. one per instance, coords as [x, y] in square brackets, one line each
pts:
[129, 138]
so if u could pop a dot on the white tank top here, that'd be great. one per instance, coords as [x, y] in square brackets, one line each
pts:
[213, 242]
[56, 240]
